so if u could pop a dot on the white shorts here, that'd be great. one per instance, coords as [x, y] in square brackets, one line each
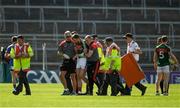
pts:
[164, 69]
[81, 63]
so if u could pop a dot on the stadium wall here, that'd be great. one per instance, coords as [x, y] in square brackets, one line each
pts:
[52, 76]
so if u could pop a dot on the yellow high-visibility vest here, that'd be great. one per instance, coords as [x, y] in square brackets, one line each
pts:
[113, 55]
[21, 62]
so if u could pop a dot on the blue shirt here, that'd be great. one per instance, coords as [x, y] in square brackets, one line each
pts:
[8, 51]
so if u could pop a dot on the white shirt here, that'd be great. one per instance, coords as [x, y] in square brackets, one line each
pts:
[131, 47]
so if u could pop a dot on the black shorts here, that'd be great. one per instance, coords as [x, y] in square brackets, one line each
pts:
[68, 65]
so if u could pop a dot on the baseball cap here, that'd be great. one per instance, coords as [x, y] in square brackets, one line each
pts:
[20, 37]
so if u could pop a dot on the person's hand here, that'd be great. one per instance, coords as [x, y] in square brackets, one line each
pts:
[74, 58]
[66, 56]
[176, 65]
[58, 53]
[102, 64]
[85, 50]
[18, 55]
[25, 55]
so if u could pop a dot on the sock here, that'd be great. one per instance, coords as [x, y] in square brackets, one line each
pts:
[66, 89]
[79, 89]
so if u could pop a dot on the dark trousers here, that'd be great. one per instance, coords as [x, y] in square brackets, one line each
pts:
[120, 86]
[112, 80]
[137, 85]
[23, 80]
[91, 68]
[100, 81]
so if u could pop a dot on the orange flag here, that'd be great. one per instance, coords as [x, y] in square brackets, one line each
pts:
[130, 70]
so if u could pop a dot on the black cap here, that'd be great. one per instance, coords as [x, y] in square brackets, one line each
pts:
[94, 35]
[75, 36]
[128, 35]
[20, 37]
[108, 39]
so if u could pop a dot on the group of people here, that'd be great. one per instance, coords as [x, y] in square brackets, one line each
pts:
[100, 61]
[91, 61]
[18, 55]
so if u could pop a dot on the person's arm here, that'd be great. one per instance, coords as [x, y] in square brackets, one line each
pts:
[12, 53]
[115, 45]
[7, 53]
[112, 63]
[60, 51]
[155, 60]
[137, 49]
[174, 58]
[30, 51]
[89, 53]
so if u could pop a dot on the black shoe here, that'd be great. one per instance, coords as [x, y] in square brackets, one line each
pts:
[66, 92]
[143, 91]
[73, 93]
[82, 93]
[15, 92]
[26, 94]
[90, 93]
[127, 93]
[100, 94]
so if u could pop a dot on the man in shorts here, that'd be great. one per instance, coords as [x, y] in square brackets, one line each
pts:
[67, 50]
[80, 49]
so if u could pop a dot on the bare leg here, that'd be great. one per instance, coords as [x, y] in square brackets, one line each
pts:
[74, 82]
[79, 82]
[63, 79]
[166, 81]
[82, 75]
[159, 78]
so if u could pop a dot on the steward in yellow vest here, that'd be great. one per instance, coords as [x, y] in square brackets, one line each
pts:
[112, 67]
[21, 54]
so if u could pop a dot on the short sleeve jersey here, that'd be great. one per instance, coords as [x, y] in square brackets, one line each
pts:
[132, 46]
[79, 47]
[68, 48]
[162, 51]
[95, 56]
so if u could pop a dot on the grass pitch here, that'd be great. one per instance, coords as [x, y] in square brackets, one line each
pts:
[48, 95]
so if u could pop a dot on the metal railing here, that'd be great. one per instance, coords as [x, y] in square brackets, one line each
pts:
[118, 22]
